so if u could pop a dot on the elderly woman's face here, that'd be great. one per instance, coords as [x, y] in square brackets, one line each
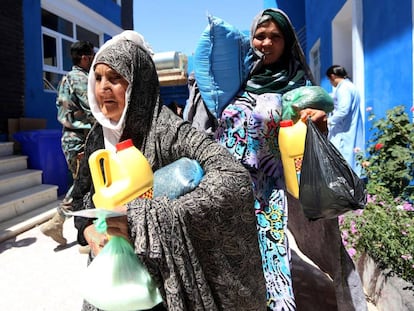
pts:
[269, 40]
[110, 89]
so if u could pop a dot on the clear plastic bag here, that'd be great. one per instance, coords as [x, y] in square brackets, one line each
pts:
[177, 178]
[328, 185]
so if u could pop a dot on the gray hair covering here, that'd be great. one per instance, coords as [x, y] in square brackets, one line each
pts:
[130, 56]
[114, 57]
[115, 52]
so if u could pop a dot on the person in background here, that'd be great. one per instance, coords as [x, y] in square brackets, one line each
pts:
[76, 118]
[345, 125]
[201, 248]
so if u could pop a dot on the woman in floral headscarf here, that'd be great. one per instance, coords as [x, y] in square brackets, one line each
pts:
[201, 248]
[248, 128]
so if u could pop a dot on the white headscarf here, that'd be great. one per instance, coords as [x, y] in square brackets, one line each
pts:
[112, 130]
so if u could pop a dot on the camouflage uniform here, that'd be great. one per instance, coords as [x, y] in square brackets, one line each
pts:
[75, 115]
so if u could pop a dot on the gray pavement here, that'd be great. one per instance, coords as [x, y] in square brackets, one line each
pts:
[37, 275]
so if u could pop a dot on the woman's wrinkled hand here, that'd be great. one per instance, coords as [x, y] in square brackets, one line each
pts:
[118, 226]
[115, 226]
[95, 239]
[319, 117]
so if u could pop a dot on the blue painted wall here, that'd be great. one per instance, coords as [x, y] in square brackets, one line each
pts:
[38, 103]
[318, 26]
[316, 16]
[109, 9]
[388, 55]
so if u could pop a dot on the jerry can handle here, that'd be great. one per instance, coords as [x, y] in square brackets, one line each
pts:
[100, 178]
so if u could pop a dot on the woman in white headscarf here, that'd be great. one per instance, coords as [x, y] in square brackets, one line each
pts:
[201, 248]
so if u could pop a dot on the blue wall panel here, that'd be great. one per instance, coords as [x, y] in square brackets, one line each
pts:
[388, 55]
[38, 103]
[319, 26]
[106, 8]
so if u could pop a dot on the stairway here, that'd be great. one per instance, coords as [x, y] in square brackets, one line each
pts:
[24, 201]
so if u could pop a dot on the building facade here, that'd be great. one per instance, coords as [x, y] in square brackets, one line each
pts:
[38, 35]
[372, 40]
[12, 82]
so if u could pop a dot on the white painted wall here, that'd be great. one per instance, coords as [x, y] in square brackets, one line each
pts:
[347, 40]
[82, 15]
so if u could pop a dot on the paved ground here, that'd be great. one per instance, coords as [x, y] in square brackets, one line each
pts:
[36, 275]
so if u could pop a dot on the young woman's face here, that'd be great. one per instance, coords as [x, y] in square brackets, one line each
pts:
[110, 89]
[269, 40]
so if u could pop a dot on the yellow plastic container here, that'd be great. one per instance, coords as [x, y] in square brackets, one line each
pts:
[122, 177]
[292, 145]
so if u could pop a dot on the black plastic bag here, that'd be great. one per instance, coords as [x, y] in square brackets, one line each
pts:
[328, 185]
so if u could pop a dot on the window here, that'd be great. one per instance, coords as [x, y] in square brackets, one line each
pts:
[49, 51]
[86, 35]
[66, 58]
[47, 85]
[57, 36]
[56, 23]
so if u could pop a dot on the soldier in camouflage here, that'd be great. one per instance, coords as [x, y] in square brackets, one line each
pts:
[74, 113]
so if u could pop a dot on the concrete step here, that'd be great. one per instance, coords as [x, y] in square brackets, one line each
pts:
[21, 223]
[12, 163]
[6, 148]
[19, 180]
[20, 202]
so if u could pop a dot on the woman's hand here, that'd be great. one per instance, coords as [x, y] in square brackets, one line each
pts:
[118, 226]
[115, 226]
[319, 117]
[95, 239]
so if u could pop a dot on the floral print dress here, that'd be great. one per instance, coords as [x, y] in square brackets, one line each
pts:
[249, 128]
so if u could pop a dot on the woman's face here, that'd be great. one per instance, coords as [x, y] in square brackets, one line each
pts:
[110, 89]
[269, 40]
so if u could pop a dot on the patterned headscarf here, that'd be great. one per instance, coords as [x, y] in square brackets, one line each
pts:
[129, 55]
[290, 71]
